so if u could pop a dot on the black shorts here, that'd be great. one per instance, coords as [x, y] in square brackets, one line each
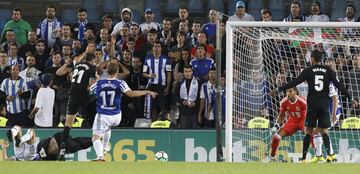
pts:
[75, 102]
[160, 102]
[318, 116]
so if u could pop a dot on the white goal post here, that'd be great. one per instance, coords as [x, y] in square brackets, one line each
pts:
[265, 49]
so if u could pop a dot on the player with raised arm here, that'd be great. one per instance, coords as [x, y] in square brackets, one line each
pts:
[24, 145]
[83, 77]
[318, 77]
[294, 108]
[109, 92]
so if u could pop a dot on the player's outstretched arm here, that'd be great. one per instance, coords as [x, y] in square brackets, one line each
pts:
[334, 108]
[342, 89]
[4, 152]
[278, 122]
[132, 94]
[338, 85]
[301, 78]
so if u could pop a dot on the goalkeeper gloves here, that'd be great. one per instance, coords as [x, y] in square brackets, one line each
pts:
[274, 129]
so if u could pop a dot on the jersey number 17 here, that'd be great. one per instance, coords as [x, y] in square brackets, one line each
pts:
[104, 94]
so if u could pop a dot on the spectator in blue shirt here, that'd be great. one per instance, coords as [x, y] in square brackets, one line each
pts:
[210, 28]
[201, 64]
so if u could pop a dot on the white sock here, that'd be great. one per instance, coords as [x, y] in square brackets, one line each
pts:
[26, 137]
[331, 148]
[318, 144]
[98, 146]
[106, 138]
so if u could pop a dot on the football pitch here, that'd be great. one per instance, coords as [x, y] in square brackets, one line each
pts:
[173, 168]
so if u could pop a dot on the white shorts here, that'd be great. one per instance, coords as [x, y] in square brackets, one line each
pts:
[103, 123]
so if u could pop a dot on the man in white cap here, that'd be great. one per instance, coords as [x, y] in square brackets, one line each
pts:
[126, 16]
[240, 13]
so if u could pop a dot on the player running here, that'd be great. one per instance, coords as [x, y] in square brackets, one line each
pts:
[294, 108]
[318, 77]
[109, 92]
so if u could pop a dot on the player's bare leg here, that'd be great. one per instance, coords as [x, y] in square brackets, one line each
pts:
[65, 135]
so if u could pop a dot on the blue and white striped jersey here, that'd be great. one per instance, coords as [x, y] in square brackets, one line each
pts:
[159, 67]
[205, 93]
[334, 92]
[109, 93]
[11, 88]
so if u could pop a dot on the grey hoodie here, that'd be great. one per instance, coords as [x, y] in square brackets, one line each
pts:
[119, 25]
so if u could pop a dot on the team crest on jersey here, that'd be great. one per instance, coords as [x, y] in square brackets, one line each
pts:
[287, 108]
[297, 109]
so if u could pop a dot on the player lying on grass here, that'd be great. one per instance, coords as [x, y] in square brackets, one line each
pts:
[24, 145]
[25, 148]
[49, 148]
[294, 108]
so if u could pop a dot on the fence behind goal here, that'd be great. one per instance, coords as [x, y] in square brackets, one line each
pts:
[265, 55]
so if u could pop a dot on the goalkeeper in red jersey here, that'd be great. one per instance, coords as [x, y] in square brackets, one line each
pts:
[294, 108]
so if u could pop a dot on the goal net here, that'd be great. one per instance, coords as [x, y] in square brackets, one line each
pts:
[265, 55]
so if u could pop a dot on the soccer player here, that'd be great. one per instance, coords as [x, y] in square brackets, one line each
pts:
[109, 92]
[294, 108]
[24, 145]
[335, 110]
[83, 77]
[46, 149]
[318, 77]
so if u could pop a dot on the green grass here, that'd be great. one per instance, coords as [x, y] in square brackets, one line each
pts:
[172, 168]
